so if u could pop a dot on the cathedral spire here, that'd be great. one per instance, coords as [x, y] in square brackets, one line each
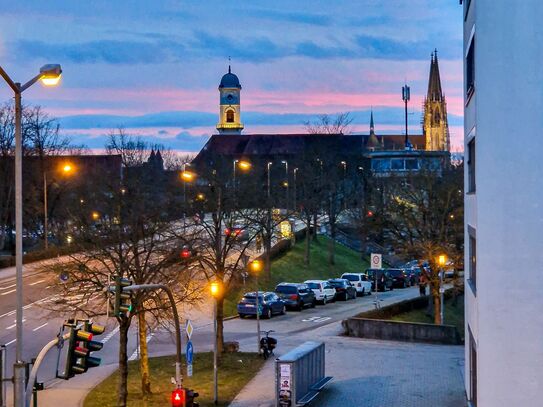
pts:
[372, 127]
[434, 83]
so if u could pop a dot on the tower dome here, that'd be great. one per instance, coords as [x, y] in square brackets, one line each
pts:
[229, 80]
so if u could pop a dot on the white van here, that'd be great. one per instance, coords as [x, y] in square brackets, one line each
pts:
[359, 281]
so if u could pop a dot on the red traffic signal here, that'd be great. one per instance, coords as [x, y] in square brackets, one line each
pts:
[179, 397]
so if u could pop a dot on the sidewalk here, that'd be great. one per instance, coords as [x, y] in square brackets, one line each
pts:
[372, 373]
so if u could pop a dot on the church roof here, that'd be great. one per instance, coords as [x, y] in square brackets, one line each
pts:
[434, 82]
[230, 80]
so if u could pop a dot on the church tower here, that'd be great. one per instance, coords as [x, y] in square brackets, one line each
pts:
[229, 114]
[435, 124]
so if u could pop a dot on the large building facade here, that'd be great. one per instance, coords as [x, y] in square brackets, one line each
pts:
[503, 202]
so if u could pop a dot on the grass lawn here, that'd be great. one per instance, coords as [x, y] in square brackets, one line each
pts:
[454, 315]
[291, 268]
[235, 370]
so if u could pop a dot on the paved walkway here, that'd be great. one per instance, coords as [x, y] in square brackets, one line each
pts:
[373, 373]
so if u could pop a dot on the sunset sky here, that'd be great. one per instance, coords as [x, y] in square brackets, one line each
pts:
[153, 67]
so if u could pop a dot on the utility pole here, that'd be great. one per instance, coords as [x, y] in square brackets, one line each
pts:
[406, 95]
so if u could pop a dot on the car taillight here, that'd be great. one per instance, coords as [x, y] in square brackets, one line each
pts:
[294, 297]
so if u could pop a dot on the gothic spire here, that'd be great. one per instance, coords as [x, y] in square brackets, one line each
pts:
[434, 82]
[372, 127]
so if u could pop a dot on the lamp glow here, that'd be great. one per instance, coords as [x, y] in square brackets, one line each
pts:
[442, 259]
[187, 176]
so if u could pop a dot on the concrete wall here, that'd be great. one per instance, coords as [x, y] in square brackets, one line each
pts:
[505, 115]
[400, 331]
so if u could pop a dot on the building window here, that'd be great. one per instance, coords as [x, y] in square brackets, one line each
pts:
[397, 164]
[472, 258]
[470, 69]
[229, 116]
[466, 9]
[471, 166]
[472, 370]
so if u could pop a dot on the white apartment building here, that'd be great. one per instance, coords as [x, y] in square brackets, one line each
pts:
[503, 77]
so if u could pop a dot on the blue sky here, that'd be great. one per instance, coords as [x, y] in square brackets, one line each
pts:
[154, 67]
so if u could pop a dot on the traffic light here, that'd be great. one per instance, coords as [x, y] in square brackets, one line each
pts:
[80, 345]
[122, 301]
[179, 398]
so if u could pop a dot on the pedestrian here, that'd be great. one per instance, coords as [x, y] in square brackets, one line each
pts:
[422, 282]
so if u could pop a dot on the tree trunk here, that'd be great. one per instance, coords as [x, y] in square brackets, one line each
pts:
[315, 227]
[122, 390]
[332, 244]
[220, 325]
[267, 249]
[307, 243]
[437, 310]
[144, 354]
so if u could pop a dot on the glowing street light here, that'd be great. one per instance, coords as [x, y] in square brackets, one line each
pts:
[245, 165]
[67, 168]
[256, 267]
[441, 260]
[95, 215]
[49, 75]
[187, 176]
[215, 289]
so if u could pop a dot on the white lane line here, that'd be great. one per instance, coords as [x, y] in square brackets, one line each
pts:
[14, 325]
[40, 327]
[10, 342]
[36, 282]
[7, 314]
[136, 352]
[9, 292]
[8, 286]
[110, 335]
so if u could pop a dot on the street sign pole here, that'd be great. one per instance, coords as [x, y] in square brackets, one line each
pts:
[376, 262]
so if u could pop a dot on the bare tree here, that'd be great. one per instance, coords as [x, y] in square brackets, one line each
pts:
[326, 124]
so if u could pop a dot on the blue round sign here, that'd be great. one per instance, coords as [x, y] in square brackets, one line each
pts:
[190, 352]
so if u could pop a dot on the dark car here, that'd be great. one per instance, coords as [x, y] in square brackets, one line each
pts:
[414, 275]
[344, 288]
[296, 296]
[400, 279]
[383, 278]
[268, 304]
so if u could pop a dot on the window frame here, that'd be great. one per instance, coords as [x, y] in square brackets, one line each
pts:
[472, 165]
[472, 259]
[230, 114]
[472, 369]
[469, 58]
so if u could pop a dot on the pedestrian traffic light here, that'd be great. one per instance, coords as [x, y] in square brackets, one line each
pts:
[78, 357]
[122, 303]
[179, 398]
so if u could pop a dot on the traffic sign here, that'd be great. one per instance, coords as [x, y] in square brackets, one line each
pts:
[189, 329]
[189, 352]
[376, 261]
[189, 370]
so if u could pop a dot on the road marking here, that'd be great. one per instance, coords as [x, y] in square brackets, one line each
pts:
[316, 319]
[36, 282]
[8, 292]
[8, 286]
[111, 334]
[10, 342]
[14, 325]
[136, 352]
[39, 327]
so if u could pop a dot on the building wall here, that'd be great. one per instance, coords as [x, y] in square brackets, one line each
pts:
[504, 114]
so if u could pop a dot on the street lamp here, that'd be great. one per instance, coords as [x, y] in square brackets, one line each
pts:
[255, 267]
[66, 169]
[50, 76]
[441, 260]
[286, 184]
[295, 193]
[268, 167]
[186, 176]
[215, 289]
[406, 95]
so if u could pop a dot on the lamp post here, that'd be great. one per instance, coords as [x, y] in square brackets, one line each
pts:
[256, 267]
[49, 76]
[295, 192]
[215, 289]
[442, 260]
[268, 167]
[186, 176]
[66, 169]
[244, 166]
[286, 175]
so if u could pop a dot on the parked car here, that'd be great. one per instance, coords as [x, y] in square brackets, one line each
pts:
[344, 289]
[413, 274]
[400, 279]
[324, 292]
[296, 296]
[383, 278]
[359, 281]
[269, 304]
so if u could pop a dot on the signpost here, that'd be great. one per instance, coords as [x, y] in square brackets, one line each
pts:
[189, 354]
[376, 260]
